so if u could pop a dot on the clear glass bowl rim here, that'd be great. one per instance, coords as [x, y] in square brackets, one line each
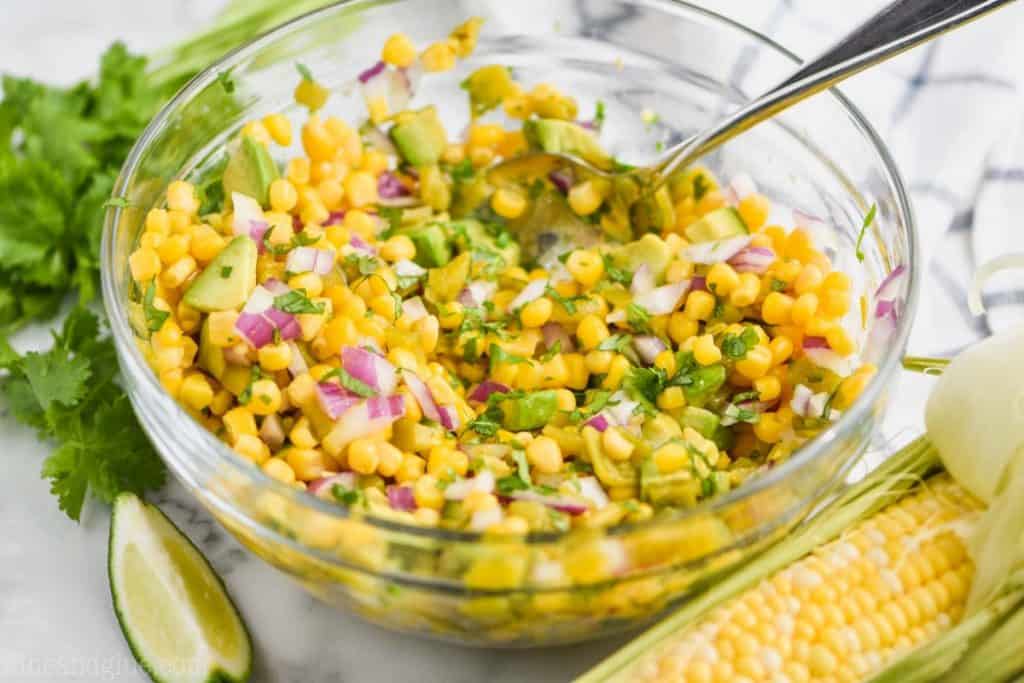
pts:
[220, 456]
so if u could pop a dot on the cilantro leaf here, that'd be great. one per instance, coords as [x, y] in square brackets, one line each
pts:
[296, 302]
[304, 71]
[615, 273]
[500, 355]
[638, 318]
[356, 386]
[155, 317]
[568, 303]
[363, 264]
[868, 220]
[553, 351]
[617, 343]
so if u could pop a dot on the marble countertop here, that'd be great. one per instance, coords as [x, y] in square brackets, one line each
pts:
[56, 622]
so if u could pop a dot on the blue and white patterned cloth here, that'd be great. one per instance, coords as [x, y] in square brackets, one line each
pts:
[951, 113]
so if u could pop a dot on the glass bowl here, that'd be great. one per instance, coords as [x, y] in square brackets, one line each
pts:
[685, 64]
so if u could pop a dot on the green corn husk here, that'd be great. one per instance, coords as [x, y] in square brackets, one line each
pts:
[999, 656]
[892, 480]
[926, 366]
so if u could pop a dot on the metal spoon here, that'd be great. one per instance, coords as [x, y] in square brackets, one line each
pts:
[899, 26]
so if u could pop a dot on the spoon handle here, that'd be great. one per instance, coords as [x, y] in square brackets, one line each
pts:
[899, 26]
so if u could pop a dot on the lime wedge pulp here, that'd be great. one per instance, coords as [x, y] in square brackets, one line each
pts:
[179, 621]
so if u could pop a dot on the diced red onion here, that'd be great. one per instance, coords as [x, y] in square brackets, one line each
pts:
[335, 400]
[364, 418]
[449, 418]
[476, 293]
[753, 260]
[643, 280]
[556, 333]
[816, 406]
[255, 329]
[648, 347]
[373, 71]
[413, 309]
[599, 422]
[664, 299]
[297, 221]
[531, 292]
[324, 486]
[622, 412]
[890, 287]
[816, 343]
[591, 489]
[276, 287]
[297, 365]
[333, 218]
[421, 392]
[287, 324]
[561, 503]
[483, 391]
[389, 186]
[401, 498]
[615, 317]
[369, 368]
[412, 74]
[802, 219]
[257, 231]
[260, 300]
[698, 283]
[801, 401]
[483, 482]
[309, 259]
[246, 212]
[562, 179]
[830, 360]
[716, 251]
[359, 244]
[376, 139]
[406, 268]
[488, 517]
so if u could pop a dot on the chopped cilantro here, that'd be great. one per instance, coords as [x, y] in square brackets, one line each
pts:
[553, 351]
[617, 343]
[154, 316]
[462, 171]
[568, 303]
[868, 220]
[638, 318]
[225, 271]
[363, 264]
[356, 386]
[615, 273]
[347, 496]
[254, 376]
[599, 114]
[118, 202]
[393, 215]
[778, 285]
[296, 302]
[226, 81]
[500, 355]
[304, 71]
[700, 186]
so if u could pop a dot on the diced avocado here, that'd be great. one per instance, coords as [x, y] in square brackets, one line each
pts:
[434, 188]
[649, 249]
[550, 228]
[445, 283]
[487, 87]
[614, 475]
[228, 280]
[703, 421]
[564, 137]
[420, 136]
[705, 382]
[211, 357]
[719, 224]
[529, 411]
[660, 428]
[653, 212]
[472, 235]
[679, 488]
[724, 438]
[250, 170]
[432, 250]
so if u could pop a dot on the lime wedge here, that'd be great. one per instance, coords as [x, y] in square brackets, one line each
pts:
[179, 621]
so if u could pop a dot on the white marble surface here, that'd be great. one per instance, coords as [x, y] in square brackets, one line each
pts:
[56, 622]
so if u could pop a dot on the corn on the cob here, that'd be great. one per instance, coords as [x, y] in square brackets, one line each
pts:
[852, 607]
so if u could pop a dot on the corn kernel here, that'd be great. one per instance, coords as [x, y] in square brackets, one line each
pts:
[585, 266]
[767, 387]
[616, 372]
[398, 51]
[840, 341]
[699, 305]
[754, 209]
[681, 327]
[280, 470]
[144, 264]
[427, 493]
[251, 448]
[196, 392]
[591, 332]
[361, 189]
[671, 457]
[809, 279]
[398, 248]
[671, 398]
[266, 397]
[756, 363]
[585, 198]
[768, 428]
[279, 128]
[536, 313]
[311, 94]
[508, 203]
[777, 308]
[545, 455]
[439, 57]
[181, 196]
[722, 279]
[704, 350]
[362, 456]
[307, 463]
[158, 222]
[804, 308]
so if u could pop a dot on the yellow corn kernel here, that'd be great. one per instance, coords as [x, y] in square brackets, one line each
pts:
[704, 350]
[809, 279]
[239, 421]
[722, 279]
[747, 290]
[427, 493]
[311, 94]
[777, 308]
[362, 456]
[266, 397]
[681, 327]
[544, 454]
[181, 196]
[298, 171]
[173, 248]
[767, 387]
[222, 328]
[439, 57]
[804, 308]
[756, 363]
[275, 357]
[537, 312]
[278, 469]
[754, 210]
[508, 203]
[446, 462]
[835, 303]
[374, 162]
[188, 317]
[410, 469]
[616, 372]
[195, 392]
[144, 264]
[283, 195]
[398, 51]
[768, 428]
[671, 398]
[854, 385]
[158, 222]
[279, 128]
[177, 273]
[427, 331]
[798, 243]
[317, 141]
[398, 248]
[671, 457]
[206, 243]
[840, 341]
[485, 135]
[616, 446]
[547, 102]
[699, 305]
[578, 373]
[585, 266]
[782, 349]
[517, 106]
[585, 198]
[666, 360]
[389, 458]
[307, 463]
[331, 193]
[513, 143]
[598, 362]
[181, 222]
[251, 448]
[591, 332]
[361, 189]
[301, 435]
[222, 401]
[464, 36]
[837, 280]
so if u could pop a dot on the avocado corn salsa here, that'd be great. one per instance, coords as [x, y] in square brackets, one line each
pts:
[368, 321]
